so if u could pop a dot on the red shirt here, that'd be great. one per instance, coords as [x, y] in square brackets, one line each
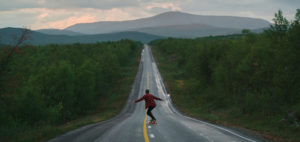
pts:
[149, 99]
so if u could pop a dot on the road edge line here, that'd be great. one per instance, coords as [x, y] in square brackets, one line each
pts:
[171, 106]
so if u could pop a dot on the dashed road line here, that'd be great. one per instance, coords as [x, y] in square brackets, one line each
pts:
[152, 136]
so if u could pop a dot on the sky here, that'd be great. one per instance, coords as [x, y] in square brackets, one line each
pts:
[59, 14]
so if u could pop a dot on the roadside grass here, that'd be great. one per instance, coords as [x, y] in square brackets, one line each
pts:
[108, 107]
[45, 132]
[270, 127]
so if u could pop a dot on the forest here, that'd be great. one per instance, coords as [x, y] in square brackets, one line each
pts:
[54, 84]
[250, 80]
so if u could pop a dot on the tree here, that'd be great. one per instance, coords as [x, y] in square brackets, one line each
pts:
[280, 27]
[85, 87]
[294, 31]
[25, 35]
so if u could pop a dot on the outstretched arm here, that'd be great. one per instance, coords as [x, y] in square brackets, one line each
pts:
[157, 98]
[140, 99]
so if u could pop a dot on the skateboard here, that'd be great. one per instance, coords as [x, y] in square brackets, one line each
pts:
[152, 122]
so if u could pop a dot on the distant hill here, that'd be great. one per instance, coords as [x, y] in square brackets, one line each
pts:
[168, 19]
[58, 32]
[188, 31]
[37, 38]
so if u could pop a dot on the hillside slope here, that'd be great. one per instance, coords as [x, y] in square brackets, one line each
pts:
[188, 31]
[169, 18]
[58, 32]
[37, 38]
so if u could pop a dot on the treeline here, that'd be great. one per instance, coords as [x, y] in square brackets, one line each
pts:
[250, 74]
[57, 83]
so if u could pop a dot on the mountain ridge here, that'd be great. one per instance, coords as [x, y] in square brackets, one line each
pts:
[188, 31]
[169, 18]
[58, 32]
[37, 38]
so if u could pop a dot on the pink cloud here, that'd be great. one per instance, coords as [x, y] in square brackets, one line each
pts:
[47, 18]
[61, 24]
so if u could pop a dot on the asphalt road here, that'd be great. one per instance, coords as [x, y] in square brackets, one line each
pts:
[130, 126]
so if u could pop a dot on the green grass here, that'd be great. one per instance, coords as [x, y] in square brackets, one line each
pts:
[191, 104]
[46, 132]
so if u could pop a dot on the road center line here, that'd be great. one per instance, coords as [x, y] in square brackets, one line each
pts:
[145, 128]
[145, 120]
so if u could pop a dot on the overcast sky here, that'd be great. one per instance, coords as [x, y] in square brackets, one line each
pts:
[38, 14]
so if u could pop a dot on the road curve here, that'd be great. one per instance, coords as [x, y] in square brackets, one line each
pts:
[129, 126]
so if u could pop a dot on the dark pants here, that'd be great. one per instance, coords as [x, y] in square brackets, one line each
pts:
[150, 114]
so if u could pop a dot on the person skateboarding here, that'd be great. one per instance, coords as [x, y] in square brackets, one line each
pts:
[149, 104]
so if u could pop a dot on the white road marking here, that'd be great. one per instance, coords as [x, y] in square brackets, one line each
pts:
[152, 136]
[149, 127]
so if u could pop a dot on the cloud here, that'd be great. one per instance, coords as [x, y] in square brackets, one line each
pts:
[61, 24]
[171, 6]
[163, 7]
[66, 4]
[17, 18]
[63, 13]
[20, 4]
[63, 18]
[157, 8]
[263, 9]
[293, 3]
[37, 18]
[97, 4]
